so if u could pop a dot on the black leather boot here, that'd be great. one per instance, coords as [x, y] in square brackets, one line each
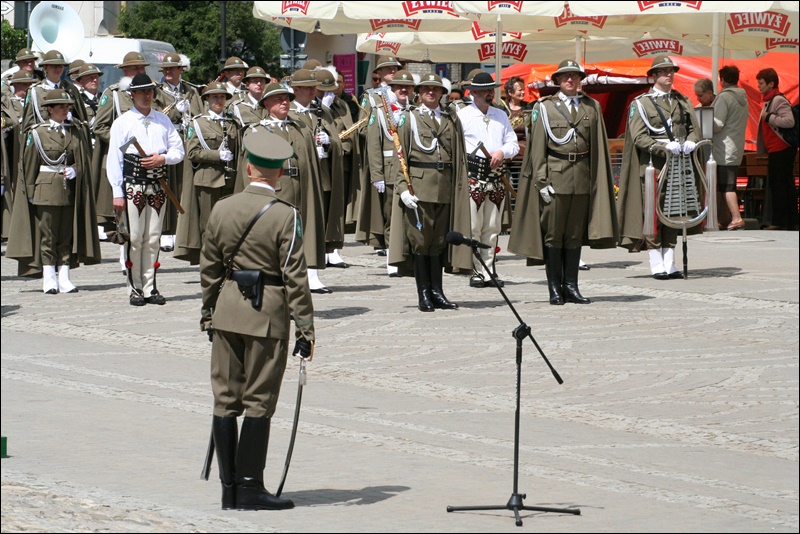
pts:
[250, 461]
[226, 433]
[422, 275]
[555, 273]
[437, 294]
[572, 259]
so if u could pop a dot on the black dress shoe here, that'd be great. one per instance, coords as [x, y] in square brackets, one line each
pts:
[137, 299]
[495, 282]
[156, 298]
[676, 275]
[166, 249]
[584, 267]
[661, 276]
[322, 291]
[381, 252]
[476, 281]
[51, 292]
[394, 275]
[341, 265]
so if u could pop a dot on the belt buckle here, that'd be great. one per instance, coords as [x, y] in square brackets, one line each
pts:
[572, 156]
[439, 165]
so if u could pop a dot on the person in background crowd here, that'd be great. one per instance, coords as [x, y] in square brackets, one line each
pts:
[777, 113]
[730, 123]
[516, 107]
[704, 91]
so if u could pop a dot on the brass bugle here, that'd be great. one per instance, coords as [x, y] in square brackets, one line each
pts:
[348, 132]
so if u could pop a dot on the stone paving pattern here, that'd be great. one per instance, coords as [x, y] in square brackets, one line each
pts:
[678, 411]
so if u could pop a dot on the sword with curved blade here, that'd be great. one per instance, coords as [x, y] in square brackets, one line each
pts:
[301, 382]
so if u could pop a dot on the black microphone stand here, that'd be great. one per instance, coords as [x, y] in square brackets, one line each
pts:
[519, 333]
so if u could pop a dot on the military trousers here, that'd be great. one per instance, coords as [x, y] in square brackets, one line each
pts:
[207, 197]
[435, 219]
[564, 221]
[246, 374]
[55, 231]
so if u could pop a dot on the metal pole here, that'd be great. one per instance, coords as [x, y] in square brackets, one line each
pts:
[715, 51]
[292, 50]
[223, 25]
[29, 22]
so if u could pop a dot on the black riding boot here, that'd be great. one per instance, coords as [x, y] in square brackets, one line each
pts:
[250, 461]
[555, 273]
[422, 275]
[226, 433]
[572, 260]
[437, 295]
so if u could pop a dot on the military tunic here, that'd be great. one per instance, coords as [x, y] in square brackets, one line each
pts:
[438, 176]
[250, 346]
[53, 221]
[578, 167]
[207, 178]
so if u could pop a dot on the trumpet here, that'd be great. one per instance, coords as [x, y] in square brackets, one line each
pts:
[348, 132]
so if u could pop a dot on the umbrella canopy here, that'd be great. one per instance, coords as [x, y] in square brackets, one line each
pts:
[357, 17]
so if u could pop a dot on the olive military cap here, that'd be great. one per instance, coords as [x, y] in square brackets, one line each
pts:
[133, 59]
[662, 62]
[276, 89]
[86, 69]
[312, 64]
[403, 77]
[304, 78]
[24, 54]
[75, 66]
[22, 76]
[216, 88]
[256, 72]
[53, 57]
[326, 80]
[266, 149]
[432, 79]
[386, 61]
[57, 96]
[234, 62]
[171, 60]
[569, 65]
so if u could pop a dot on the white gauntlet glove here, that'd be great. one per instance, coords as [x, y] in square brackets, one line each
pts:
[409, 200]
[674, 147]
[69, 173]
[225, 155]
[547, 194]
[688, 146]
[323, 138]
[380, 186]
[328, 98]
[182, 106]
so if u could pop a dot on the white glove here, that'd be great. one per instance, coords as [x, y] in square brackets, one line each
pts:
[182, 106]
[323, 139]
[409, 200]
[321, 152]
[380, 186]
[69, 173]
[328, 98]
[674, 147]
[225, 155]
[688, 146]
[547, 194]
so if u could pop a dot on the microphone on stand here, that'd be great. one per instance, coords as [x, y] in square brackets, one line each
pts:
[457, 238]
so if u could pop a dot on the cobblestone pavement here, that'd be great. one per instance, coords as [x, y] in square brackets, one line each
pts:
[678, 411]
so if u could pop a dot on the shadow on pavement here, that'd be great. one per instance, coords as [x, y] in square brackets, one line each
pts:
[368, 495]
[340, 313]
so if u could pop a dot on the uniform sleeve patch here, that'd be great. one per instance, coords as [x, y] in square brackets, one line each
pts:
[371, 118]
[402, 120]
[535, 115]
[29, 140]
[632, 111]
[103, 100]
[190, 133]
[298, 228]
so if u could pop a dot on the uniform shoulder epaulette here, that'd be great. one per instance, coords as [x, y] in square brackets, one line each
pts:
[287, 203]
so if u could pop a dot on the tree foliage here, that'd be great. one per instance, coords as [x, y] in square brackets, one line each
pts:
[12, 40]
[194, 29]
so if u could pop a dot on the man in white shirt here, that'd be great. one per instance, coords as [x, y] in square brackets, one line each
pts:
[135, 184]
[486, 127]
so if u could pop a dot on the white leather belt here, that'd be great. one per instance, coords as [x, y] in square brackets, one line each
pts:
[51, 168]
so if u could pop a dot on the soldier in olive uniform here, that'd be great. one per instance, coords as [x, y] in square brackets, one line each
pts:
[233, 73]
[26, 61]
[566, 191]
[246, 108]
[13, 103]
[35, 112]
[53, 225]
[376, 208]
[88, 80]
[648, 136]
[115, 100]
[251, 336]
[180, 102]
[300, 183]
[210, 173]
[433, 198]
